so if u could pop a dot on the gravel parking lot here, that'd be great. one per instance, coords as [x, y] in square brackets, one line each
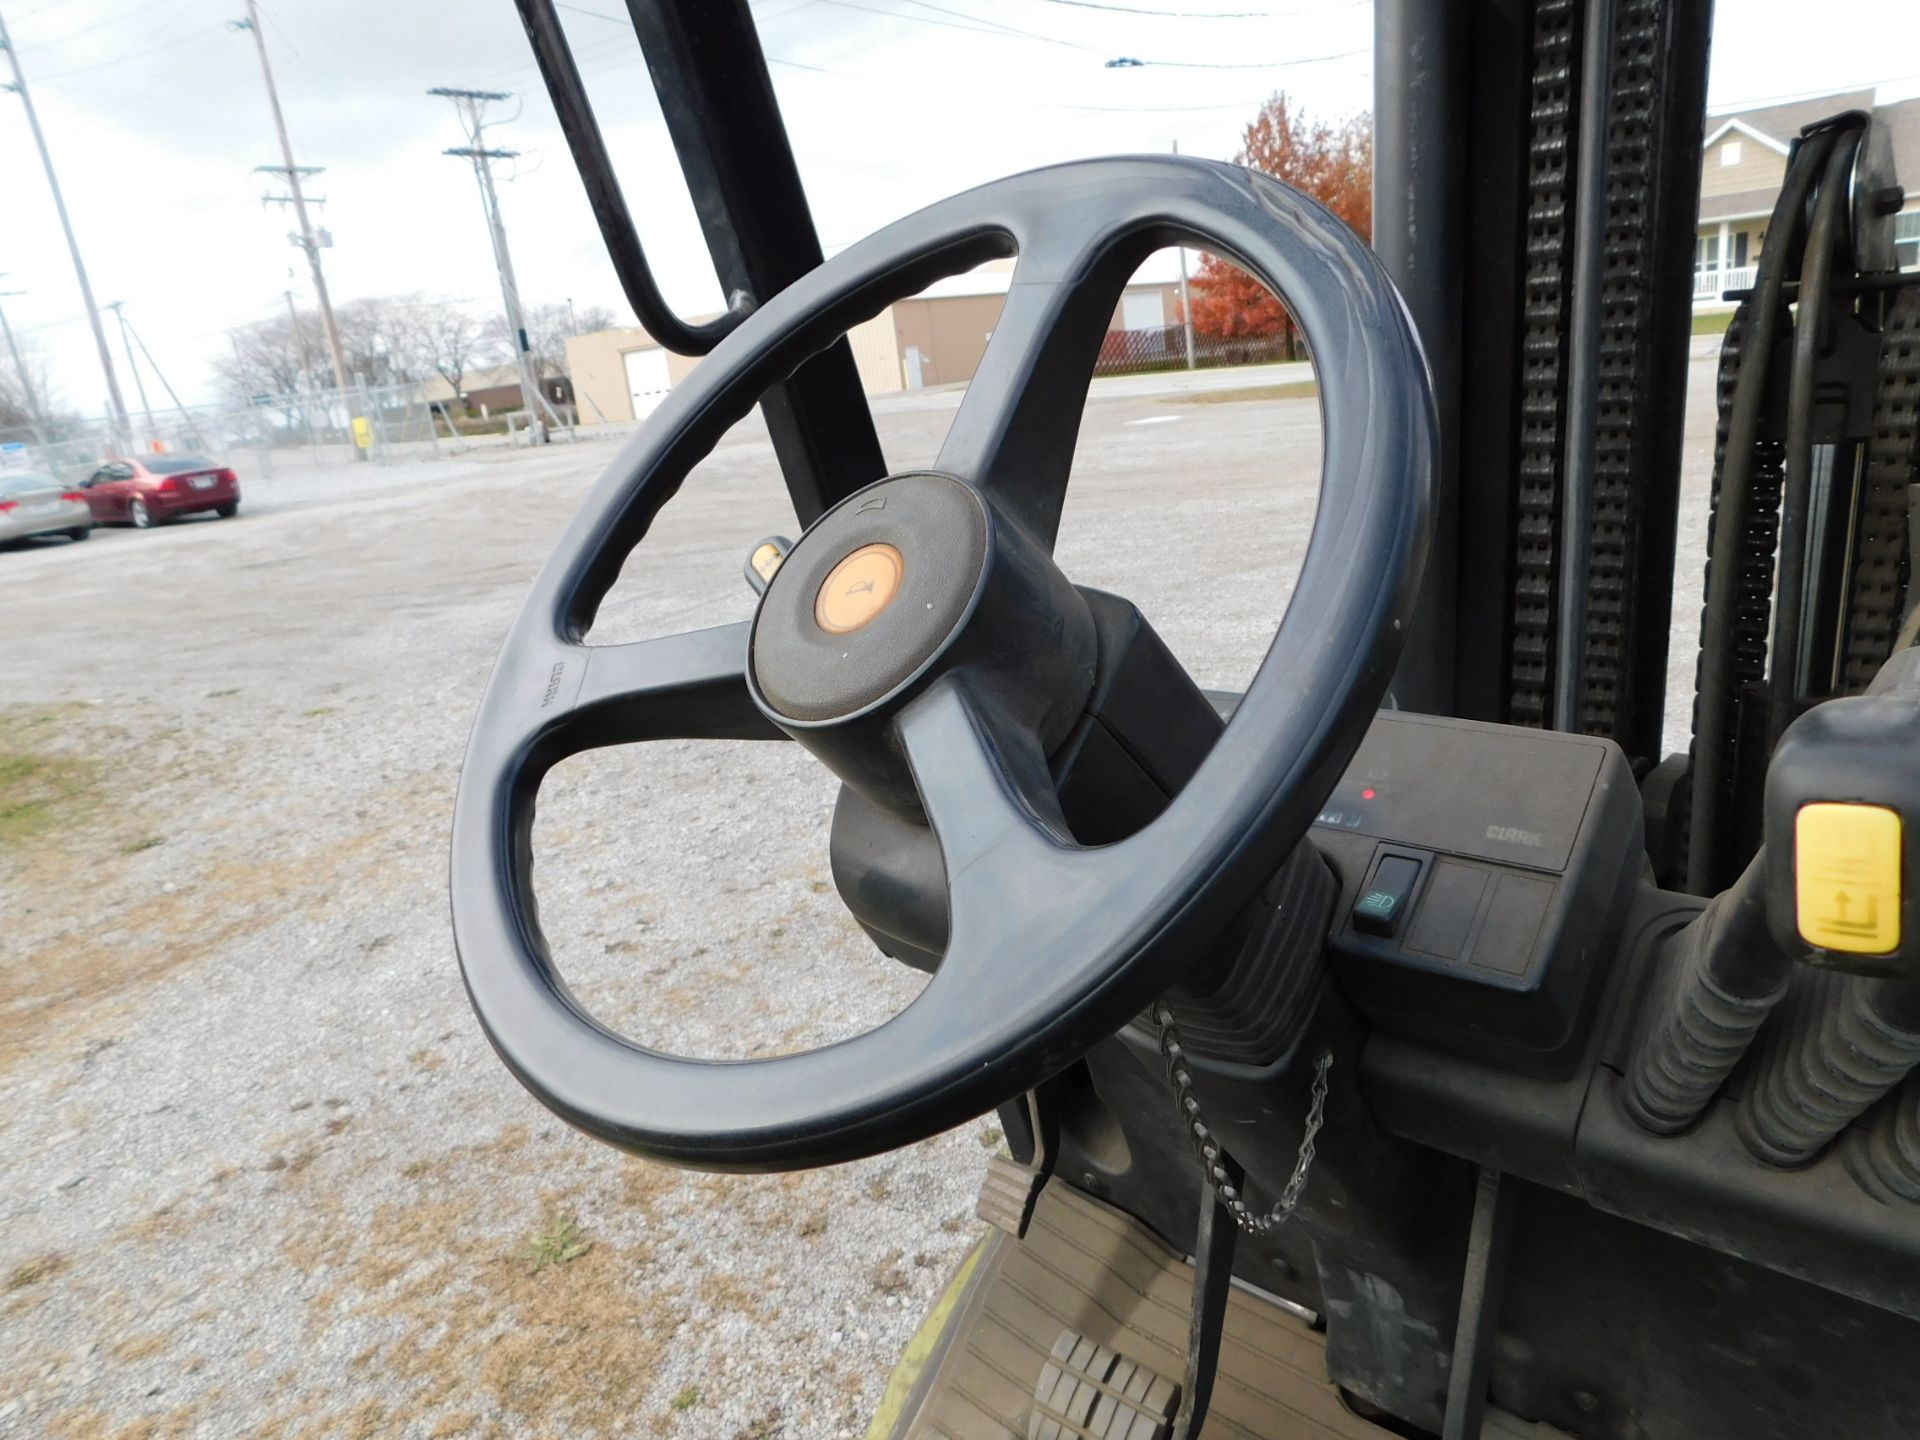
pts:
[262, 1175]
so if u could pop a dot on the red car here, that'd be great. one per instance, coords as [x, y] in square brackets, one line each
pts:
[154, 489]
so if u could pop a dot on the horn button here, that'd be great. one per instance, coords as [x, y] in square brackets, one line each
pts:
[870, 595]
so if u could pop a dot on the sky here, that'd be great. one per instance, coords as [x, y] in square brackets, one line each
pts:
[156, 115]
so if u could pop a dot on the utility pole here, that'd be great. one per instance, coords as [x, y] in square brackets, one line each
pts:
[1186, 301]
[118, 418]
[133, 369]
[306, 239]
[470, 104]
[193, 428]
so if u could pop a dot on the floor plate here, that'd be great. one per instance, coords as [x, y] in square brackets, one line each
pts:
[1089, 1269]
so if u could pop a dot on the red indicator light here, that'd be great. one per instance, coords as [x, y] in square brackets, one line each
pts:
[1367, 794]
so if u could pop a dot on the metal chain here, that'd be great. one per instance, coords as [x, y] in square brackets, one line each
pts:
[1180, 1078]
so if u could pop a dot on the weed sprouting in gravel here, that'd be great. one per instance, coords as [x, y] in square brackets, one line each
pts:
[687, 1398]
[889, 1277]
[31, 1272]
[145, 842]
[560, 1242]
[768, 1426]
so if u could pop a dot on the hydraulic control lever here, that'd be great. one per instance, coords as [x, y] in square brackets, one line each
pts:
[1834, 886]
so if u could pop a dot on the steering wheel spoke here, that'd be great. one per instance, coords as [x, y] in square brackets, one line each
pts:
[983, 782]
[689, 686]
[1014, 435]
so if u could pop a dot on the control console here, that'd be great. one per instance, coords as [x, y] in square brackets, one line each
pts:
[1482, 869]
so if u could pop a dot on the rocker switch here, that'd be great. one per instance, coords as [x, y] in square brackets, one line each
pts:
[1384, 899]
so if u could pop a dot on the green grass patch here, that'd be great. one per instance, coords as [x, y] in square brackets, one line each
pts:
[1292, 390]
[687, 1398]
[560, 1242]
[1712, 322]
[39, 789]
[145, 842]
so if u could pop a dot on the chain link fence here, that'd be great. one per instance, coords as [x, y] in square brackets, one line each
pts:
[1164, 347]
[315, 430]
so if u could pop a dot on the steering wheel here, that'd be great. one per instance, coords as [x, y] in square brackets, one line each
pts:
[921, 642]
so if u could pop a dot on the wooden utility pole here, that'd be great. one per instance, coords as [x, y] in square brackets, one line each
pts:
[307, 240]
[469, 103]
[116, 405]
[133, 369]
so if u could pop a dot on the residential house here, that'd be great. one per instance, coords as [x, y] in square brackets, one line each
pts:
[1744, 163]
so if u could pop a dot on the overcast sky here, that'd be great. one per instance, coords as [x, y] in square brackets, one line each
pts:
[156, 116]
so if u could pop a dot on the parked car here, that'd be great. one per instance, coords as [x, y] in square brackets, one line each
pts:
[153, 489]
[36, 504]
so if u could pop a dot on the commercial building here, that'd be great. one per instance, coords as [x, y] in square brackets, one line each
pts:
[934, 338]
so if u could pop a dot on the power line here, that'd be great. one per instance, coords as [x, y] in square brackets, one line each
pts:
[1128, 62]
[1024, 103]
[982, 26]
[140, 54]
[103, 21]
[1720, 109]
[1206, 14]
[977, 27]
[620, 20]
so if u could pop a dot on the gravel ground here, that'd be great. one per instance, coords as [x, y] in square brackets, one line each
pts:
[262, 1175]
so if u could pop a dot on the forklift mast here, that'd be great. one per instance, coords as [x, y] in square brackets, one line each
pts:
[1537, 175]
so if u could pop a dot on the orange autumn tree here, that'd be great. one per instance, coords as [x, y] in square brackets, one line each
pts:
[1332, 163]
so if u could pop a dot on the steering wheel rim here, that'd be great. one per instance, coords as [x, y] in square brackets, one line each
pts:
[1053, 945]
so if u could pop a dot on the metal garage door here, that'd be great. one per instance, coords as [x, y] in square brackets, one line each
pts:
[647, 380]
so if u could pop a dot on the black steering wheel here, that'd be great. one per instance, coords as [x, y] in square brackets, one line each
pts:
[922, 643]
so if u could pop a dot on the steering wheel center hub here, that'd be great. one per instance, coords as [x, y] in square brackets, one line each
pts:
[871, 594]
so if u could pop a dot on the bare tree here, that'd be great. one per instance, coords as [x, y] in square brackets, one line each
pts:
[447, 339]
[28, 404]
[548, 327]
[593, 317]
[267, 358]
[377, 333]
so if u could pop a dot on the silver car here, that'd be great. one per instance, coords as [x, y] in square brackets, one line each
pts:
[35, 504]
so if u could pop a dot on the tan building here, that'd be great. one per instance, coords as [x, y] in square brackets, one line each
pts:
[1744, 164]
[935, 338]
[622, 374]
[939, 336]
